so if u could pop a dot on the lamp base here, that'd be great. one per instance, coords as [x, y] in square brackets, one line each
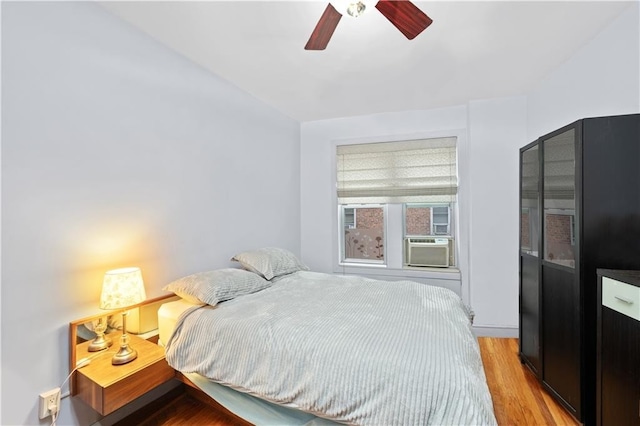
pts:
[100, 343]
[125, 354]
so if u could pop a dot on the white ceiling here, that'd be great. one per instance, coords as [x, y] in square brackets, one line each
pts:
[473, 50]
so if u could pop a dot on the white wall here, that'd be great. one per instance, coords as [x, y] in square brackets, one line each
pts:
[115, 152]
[0, 227]
[602, 78]
[497, 129]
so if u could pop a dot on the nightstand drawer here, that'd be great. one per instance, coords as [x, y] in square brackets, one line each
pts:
[106, 387]
[621, 297]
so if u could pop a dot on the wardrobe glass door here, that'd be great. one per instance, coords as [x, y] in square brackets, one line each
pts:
[529, 261]
[560, 199]
[560, 289]
[530, 201]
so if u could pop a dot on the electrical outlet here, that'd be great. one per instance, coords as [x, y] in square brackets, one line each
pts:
[49, 403]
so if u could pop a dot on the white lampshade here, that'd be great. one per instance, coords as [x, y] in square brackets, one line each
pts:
[122, 288]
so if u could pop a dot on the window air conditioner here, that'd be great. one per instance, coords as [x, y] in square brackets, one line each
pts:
[427, 252]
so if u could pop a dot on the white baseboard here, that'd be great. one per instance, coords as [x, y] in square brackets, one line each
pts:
[494, 331]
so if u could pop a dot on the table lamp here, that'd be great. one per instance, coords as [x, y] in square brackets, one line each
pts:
[122, 288]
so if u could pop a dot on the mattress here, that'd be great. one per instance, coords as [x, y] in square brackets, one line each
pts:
[168, 315]
[250, 408]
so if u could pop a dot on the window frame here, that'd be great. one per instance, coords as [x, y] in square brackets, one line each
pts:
[343, 260]
[459, 278]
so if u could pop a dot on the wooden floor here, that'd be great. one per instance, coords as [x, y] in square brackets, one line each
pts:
[182, 407]
[518, 398]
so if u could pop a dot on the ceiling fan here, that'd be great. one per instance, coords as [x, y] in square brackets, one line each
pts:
[406, 17]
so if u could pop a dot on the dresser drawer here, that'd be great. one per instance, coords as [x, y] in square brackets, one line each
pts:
[621, 297]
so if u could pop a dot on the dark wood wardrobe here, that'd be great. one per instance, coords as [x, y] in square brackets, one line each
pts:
[579, 211]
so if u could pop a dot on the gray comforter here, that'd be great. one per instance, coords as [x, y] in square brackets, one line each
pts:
[349, 349]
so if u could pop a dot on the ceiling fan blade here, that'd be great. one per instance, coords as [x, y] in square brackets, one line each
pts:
[324, 29]
[406, 16]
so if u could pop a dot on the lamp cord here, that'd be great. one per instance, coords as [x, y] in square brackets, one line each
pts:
[79, 364]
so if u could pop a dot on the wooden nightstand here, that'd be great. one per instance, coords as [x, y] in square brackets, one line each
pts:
[107, 387]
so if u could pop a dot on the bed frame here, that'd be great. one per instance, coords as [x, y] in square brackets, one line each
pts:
[194, 391]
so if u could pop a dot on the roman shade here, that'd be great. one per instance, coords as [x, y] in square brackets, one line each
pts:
[417, 171]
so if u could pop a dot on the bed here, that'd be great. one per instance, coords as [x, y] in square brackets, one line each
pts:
[314, 348]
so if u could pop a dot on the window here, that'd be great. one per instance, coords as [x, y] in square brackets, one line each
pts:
[363, 233]
[349, 218]
[440, 220]
[427, 220]
[418, 176]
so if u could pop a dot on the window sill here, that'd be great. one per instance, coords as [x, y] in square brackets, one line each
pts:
[406, 272]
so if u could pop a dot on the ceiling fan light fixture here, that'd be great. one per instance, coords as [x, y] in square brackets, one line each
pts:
[356, 9]
[352, 8]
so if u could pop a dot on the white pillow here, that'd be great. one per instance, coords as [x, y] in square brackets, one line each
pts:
[212, 287]
[270, 262]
